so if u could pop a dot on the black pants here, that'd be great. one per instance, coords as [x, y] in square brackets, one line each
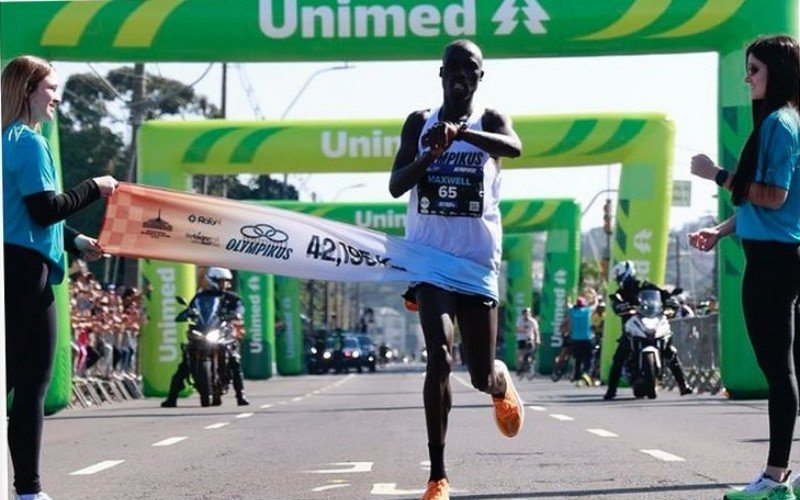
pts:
[30, 349]
[621, 356]
[769, 299]
[582, 352]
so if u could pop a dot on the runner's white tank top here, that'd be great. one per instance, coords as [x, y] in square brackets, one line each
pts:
[455, 206]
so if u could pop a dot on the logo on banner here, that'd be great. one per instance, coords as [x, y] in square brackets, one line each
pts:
[156, 228]
[512, 12]
[279, 19]
[199, 238]
[378, 220]
[376, 145]
[263, 240]
[641, 240]
[265, 231]
[285, 18]
[202, 219]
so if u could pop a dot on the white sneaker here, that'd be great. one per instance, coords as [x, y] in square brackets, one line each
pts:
[763, 488]
[34, 496]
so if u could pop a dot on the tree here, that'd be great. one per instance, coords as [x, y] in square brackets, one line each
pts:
[95, 139]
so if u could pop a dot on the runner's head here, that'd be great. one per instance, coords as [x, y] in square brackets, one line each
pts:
[219, 278]
[462, 69]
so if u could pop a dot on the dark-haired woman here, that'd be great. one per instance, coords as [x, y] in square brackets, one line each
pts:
[766, 191]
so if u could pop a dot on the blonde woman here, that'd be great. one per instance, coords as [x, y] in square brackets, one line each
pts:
[34, 238]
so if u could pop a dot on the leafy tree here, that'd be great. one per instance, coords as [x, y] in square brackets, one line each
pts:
[94, 121]
[95, 138]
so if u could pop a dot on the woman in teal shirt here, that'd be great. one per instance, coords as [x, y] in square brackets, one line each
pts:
[766, 190]
[34, 238]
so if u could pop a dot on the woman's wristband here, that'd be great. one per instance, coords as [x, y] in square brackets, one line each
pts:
[721, 177]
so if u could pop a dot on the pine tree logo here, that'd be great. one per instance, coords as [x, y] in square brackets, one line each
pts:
[514, 12]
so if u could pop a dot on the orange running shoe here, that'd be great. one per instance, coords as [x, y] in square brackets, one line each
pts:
[509, 412]
[437, 490]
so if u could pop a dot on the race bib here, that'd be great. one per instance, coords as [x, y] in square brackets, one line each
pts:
[452, 191]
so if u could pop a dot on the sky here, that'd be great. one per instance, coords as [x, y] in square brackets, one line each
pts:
[684, 87]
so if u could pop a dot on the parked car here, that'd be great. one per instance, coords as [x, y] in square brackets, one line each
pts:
[369, 357]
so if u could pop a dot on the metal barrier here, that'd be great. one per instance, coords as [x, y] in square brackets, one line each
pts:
[697, 341]
[93, 391]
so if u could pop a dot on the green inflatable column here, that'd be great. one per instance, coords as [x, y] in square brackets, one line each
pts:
[741, 375]
[561, 268]
[258, 345]
[518, 252]
[642, 228]
[160, 338]
[59, 393]
[289, 347]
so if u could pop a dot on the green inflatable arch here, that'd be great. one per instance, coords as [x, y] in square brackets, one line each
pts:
[304, 30]
[168, 151]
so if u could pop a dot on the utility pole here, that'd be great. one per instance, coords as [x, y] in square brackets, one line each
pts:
[607, 228]
[138, 110]
[223, 112]
[677, 260]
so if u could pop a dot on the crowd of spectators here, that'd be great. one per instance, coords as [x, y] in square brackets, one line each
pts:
[105, 320]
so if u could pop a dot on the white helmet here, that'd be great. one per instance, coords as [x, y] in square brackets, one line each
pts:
[214, 274]
[622, 271]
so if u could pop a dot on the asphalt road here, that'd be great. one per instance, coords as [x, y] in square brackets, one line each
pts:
[362, 436]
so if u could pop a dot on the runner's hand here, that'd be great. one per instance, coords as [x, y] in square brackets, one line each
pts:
[440, 136]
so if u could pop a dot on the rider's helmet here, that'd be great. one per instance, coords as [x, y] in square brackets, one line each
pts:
[215, 276]
[622, 271]
[581, 302]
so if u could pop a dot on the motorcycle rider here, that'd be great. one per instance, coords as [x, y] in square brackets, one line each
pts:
[219, 281]
[623, 301]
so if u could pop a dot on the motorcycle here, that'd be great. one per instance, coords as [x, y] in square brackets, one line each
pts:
[649, 332]
[209, 344]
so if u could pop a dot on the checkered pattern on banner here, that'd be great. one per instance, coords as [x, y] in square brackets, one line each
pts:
[123, 223]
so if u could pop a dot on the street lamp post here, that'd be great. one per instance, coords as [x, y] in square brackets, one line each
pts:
[308, 82]
[339, 192]
[297, 97]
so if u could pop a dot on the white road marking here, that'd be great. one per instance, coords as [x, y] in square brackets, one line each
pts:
[93, 469]
[298, 398]
[563, 418]
[345, 468]
[218, 425]
[537, 408]
[264, 407]
[663, 455]
[602, 433]
[244, 415]
[170, 441]
[330, 487]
